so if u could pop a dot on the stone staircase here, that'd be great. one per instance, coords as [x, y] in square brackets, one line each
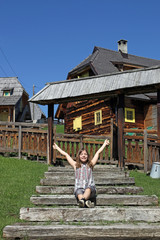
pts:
[121, 212]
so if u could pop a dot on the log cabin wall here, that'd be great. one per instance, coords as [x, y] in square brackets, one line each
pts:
[86, 110]
[139, 113]
[150, 116]
[145, 115]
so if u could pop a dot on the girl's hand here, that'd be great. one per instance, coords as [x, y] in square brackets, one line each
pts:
[106, 142]
[54, 146]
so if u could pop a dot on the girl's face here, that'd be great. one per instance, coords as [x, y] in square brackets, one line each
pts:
[83, 156]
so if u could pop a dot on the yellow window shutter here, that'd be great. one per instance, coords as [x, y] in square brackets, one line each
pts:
[77, 123]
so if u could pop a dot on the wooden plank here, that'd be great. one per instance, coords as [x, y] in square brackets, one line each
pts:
[120, 130]
[158, 114]
[149, 214]
[101, 200]
[50, 132]
[19, 142]
[112, 231]
[37, 125]
[145, 152]
[70, 182]
[96, 174]
[96, 168]
[100, 190]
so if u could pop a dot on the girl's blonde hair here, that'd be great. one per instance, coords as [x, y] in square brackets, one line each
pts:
[78, 161]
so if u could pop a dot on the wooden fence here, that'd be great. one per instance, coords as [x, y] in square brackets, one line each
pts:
[142, 147]
[23, 138]
[71, 143]
[32, 140]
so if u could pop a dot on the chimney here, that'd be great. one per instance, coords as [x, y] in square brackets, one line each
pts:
[122, 46]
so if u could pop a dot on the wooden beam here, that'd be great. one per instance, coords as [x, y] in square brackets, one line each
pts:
[120, 130]
[50, 133]
[158, 114]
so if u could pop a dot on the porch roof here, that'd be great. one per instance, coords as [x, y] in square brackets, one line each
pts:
[102, 86]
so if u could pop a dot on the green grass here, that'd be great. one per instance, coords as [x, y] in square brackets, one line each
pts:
[59, 128]
[18, 181]
[151, 186]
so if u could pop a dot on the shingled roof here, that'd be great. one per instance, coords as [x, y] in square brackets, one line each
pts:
[129, 82]
[103, 61]
[11, 83]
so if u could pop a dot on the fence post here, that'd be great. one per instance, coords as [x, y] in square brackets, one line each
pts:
[50, 133]
[81, 141]
[145, 152]
[121, 142]
[19, 141]
[54, 151]
[111, 143]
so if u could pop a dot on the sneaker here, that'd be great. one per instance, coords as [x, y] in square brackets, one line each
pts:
[89, 204]
[81, 203]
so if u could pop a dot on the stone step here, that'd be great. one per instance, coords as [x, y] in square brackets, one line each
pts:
[97, 168]
[96, 174]
[100, 190]
[112, 231]
[101, 200]
[141, 214]
[55, 181]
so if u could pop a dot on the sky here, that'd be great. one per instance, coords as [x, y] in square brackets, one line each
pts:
[42, 40]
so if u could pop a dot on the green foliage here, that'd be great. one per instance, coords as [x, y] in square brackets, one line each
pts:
[18, 179]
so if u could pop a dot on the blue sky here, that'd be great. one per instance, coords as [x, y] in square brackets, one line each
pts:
[42, 40]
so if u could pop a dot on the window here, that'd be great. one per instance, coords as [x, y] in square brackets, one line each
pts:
[98, 117]
[82, 75]
[130, 115]
[77, 123]
[6, 93]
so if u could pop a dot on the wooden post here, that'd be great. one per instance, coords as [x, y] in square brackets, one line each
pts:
[19, 141]
[111, 143]
[81, 142]
[158, 114]
[54, 151]
[120, 130]
[50, 133]
[145, 152]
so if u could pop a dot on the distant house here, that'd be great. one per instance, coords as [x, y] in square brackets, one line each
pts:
[93, 116]
[36, 113]
[14, 105]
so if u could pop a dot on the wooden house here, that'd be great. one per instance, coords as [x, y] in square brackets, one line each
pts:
[14, 105]
[116, 85]
[94, 116]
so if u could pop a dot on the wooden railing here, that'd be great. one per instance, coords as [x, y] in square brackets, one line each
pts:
[71, 143]
[23, 138]
[32, 140]
[141, 147]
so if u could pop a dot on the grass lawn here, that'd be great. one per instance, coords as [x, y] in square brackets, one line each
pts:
[151, 186]
[18, 181]
[59, 128]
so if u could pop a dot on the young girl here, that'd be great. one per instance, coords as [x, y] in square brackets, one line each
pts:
[85, 189]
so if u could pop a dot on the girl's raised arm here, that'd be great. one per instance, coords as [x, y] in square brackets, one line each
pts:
[96, 156]
[69, 159]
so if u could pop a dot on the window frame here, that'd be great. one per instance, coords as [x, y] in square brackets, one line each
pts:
[95, 117]
[6, 93]
[133, 114]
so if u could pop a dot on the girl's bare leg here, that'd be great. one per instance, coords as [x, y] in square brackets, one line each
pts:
[86, 194]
